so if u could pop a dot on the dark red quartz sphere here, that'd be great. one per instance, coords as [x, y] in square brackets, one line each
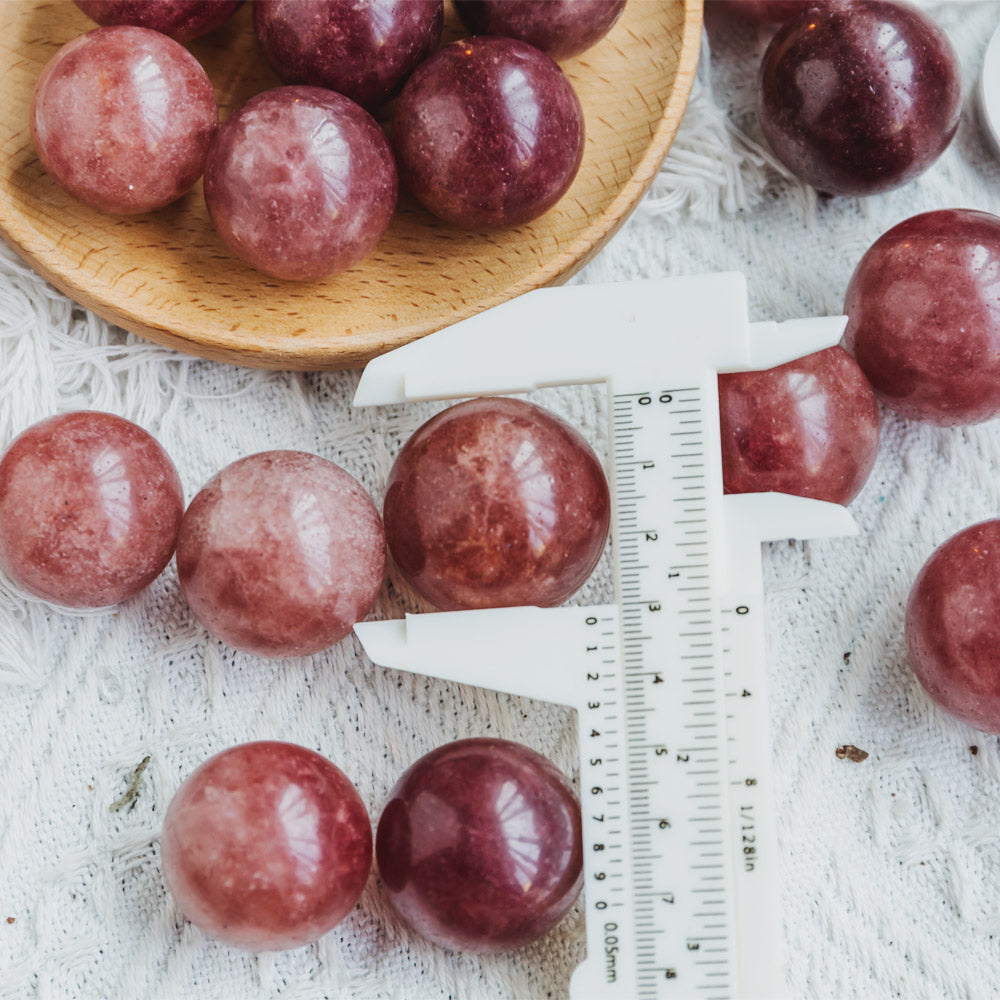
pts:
[363, 51]
[923, 311]
[808, 427]
[765, 11]
[90, 507]
[479, 846]
[859, 96]
[488, 133]
[953, 626]
[122, 119]
[281, 553]
[496, 502]
[180, 19]
[560, 28]
[300, 183]
[266, 846]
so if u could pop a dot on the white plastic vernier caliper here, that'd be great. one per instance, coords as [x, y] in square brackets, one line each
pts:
[669, 681]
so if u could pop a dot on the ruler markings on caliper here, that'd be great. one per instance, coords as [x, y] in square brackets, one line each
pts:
[696, 646]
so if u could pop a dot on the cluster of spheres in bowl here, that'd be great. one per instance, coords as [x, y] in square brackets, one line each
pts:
[301, 182]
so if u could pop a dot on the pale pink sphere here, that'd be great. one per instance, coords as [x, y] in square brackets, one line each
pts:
[122, 119]
[281, 553]
[90, 506]
[300, 183]
[266, 846]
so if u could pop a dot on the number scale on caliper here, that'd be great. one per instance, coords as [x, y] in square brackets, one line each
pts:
[679, 849]
[671, 651]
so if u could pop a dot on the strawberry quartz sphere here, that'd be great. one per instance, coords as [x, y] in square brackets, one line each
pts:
[122, 119]
[266, 846]
[300, 183]
[479, 846]
[859, 96]
[180, 19]
[560, 28]
[363, 51]
[923, 311]
[281, 553]
[808, 427]
[953, 626]
[488, 133]
[90, 507]
[496, 502]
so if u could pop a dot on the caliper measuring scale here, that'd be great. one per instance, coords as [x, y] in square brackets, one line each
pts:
[669, 681]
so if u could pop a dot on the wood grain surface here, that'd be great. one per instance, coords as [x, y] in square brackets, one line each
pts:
[167, 276]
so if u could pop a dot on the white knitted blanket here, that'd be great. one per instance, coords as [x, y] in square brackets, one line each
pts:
[891, 866]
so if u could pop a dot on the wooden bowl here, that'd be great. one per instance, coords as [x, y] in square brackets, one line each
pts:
[168, 277]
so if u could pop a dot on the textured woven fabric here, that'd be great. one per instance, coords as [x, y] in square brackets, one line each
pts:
[891, 866]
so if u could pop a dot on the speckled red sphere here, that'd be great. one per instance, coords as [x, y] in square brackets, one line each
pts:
[266, 846]
[765, 11]
[496, 502]
[180, 19]
[90, 506]
[923, 309]
[488, 133]
[560, 28]
[361, 50]
[953, 626]
[122, 119]
[809, 427]
[859, 96]
[300, 183]
[281, 553]
[479, 846]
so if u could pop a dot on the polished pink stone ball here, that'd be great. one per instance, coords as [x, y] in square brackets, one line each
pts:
[857, 97]
[300, 183]
[496, 502]
[808, 427]
[488, 133]
[361, 50]
[266, 846]
[281, 553]
[90, 507]
[923, 309]
[122, 119]
[480, 845]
